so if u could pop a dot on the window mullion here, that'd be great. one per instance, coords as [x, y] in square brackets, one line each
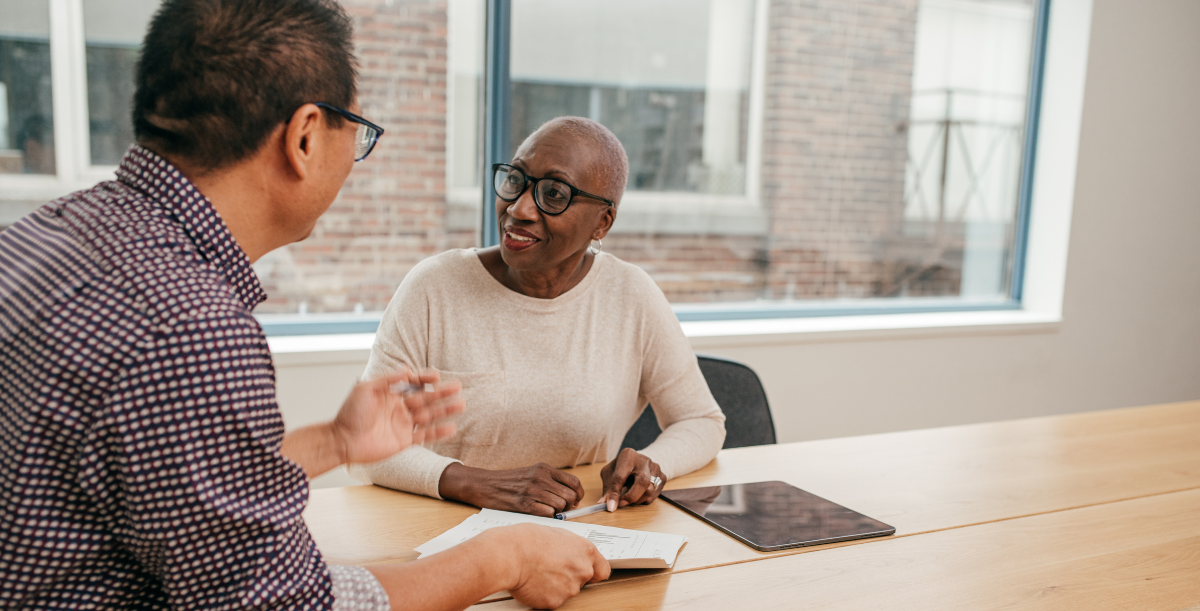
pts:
[496, 110]
[68, 73]
[757, 102]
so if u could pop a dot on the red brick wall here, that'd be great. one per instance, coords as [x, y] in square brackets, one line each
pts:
[838, 86]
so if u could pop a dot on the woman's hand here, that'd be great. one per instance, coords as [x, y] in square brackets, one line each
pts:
[639, 477]
[540, 490]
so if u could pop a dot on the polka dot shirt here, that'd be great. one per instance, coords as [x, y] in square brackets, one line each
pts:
[139, 433]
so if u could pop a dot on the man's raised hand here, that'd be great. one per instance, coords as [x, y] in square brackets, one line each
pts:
[384, 416]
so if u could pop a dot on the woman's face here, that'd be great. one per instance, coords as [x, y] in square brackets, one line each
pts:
[531, 240]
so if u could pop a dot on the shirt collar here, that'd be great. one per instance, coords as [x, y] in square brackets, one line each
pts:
[165, 185]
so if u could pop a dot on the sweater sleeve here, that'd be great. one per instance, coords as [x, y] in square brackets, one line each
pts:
[693, 427]
[402, 341]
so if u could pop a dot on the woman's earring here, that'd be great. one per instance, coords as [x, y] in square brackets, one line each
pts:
[596, 249]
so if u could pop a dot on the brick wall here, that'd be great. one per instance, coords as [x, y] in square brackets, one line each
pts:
[838, 86]
[837, 89]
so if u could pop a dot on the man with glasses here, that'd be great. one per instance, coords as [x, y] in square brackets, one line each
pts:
[143, 459]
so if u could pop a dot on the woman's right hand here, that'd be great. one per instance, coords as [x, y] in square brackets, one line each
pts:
[539, 490]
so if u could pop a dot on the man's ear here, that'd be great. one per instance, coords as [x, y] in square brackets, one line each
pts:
[607, 218]
[299, 138]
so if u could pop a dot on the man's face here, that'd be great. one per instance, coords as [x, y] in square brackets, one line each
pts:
[331, 167]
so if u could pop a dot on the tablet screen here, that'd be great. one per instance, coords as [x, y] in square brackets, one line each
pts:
[775, 515]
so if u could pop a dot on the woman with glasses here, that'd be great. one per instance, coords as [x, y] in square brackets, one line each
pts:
[559, 346]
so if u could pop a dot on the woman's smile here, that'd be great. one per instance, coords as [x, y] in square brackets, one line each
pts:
[518, 239]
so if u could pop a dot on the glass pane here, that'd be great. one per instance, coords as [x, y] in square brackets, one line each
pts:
[26, 109]
[113, 30]
[671, 78]
[965, 141]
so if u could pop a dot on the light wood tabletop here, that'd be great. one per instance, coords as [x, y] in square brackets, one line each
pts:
[921, 482]
[1139, 554]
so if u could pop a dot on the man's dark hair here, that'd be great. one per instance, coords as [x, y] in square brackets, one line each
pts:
[215, 77]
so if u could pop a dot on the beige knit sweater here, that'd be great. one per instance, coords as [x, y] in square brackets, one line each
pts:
[558, 380]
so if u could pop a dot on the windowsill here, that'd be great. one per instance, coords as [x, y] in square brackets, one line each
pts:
[300, 350]
[38, 189]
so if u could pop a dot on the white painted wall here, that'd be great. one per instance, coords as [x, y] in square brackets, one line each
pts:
[1130, 330]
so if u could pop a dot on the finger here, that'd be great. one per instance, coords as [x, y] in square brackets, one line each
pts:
[601, 570]
[443, 401]
[616, 479]
[432, 432]
[541, 509]
[568, 495]
[428, 376]
[656, 490]
[641, 483]
[551, 498]
[397, 376]
[571, 482]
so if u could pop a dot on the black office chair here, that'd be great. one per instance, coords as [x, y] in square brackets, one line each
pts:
[740, 394]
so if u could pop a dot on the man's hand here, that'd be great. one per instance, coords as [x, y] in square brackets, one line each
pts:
[541, 567]
[552, 564]
[540, 490]
[636, 475]
[377, 421]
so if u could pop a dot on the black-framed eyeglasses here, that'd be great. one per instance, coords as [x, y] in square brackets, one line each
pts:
[551, 195]
[368, 133]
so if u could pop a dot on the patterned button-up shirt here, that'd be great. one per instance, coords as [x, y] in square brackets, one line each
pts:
[139, 433]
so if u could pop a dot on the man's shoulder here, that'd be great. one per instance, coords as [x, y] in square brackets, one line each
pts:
[116, 221]
[111, 243]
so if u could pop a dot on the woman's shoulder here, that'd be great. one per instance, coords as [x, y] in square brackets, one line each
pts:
[628, 281]
[455, 265]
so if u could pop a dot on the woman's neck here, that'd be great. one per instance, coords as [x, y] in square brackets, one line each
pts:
[540, 283]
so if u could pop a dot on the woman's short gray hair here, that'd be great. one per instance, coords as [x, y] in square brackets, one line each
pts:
[614, 172]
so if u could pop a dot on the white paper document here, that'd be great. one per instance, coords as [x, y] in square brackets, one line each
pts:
[624, 549]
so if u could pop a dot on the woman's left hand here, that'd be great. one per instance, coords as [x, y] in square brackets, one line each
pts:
[636, 473]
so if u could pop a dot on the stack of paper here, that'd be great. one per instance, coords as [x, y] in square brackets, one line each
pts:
[624, 549]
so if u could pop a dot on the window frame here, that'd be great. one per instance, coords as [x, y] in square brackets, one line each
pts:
[69, 104]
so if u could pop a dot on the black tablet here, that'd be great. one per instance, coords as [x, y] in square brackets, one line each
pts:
[771, 516]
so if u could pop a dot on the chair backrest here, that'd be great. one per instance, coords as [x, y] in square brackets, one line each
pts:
[740, 394]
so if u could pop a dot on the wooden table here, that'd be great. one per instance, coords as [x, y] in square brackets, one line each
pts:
[1097, 510]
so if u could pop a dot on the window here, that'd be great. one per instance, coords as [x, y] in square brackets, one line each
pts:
[112, 33]
[787, 158]
[670, 78]
[66, 91]
[888, 140]
[26, 90]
